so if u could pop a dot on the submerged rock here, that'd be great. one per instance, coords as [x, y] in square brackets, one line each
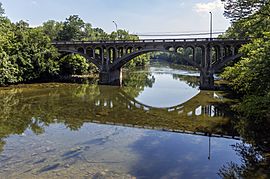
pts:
[49, 168]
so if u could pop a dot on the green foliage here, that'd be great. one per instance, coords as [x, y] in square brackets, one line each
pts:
[180, 57]
[73, 64]
[255, 24]
[139, 61]
[72, 29]
[26, 53]
[251, 78]
[98, 34]
[8, 71]
[52, 28]
[251, 75]
[122, 35]
[258, 107]
[2, 11]
[239, 9]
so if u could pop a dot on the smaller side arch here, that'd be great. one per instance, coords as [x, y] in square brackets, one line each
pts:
[90, 52]
[81, 50]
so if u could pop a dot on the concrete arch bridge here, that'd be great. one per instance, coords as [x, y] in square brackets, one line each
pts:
[111, 56]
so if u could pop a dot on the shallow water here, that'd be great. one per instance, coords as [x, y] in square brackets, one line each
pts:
[76, 131]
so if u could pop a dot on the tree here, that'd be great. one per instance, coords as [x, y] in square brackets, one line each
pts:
[239, 9]
[123, 35]
[87, 32]
[52, 28]
[251, 74]
[73, 65]
[250, 18]
[72, 29]
[2, 11]
[250, 77]
[26, 53]
[100, 34]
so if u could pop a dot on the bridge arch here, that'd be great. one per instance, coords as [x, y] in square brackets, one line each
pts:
[129, 49]
[99, 52]
[121, 51]
[189, 52]
[81, 50]
[130, 56]
[112, 54]
[90, 52]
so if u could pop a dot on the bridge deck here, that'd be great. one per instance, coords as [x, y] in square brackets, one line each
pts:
[151, 41]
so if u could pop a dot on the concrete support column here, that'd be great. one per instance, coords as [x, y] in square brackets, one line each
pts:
[218, 54]
[221, 53]
[102, 56]
[233, 50]
[207, 80]
[210, 57]
[108, 56]
[207, 56]
[194, 54]
[116, 55]
[206, 76]
[203, 57]
[111, 77]
[94, 54]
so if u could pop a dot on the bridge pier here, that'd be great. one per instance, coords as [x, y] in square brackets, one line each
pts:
[111, 77]
[207, 81]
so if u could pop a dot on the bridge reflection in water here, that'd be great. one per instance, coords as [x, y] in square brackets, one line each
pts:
[166, 119]
[73, 105]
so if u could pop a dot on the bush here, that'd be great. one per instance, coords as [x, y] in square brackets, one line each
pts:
[73, 65]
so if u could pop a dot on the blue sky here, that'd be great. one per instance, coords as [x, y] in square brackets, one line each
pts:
[137, 16]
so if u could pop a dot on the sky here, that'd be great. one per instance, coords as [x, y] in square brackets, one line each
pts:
[136, 16]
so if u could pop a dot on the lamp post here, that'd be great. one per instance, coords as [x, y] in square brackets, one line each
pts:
[211, 25]
[209, 148]
[116, 27]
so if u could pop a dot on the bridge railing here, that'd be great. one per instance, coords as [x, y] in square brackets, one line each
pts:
[149, 41]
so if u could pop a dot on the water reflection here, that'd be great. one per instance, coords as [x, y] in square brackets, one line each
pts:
[181, 156]
[47, 130]
[73, 105]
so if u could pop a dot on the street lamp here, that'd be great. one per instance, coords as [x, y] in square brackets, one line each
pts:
[116, 27]
[211, 25]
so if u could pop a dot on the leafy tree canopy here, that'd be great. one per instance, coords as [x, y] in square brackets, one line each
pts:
[239, 9]
[2, 11]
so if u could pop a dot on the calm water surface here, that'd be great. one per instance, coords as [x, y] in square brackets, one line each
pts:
[91, 131]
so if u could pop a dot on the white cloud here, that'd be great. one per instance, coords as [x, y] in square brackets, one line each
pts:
[210, 6]
[34, 2]
[182, 4]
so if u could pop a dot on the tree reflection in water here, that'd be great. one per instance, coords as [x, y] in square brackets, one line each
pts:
[255, 153]
[38, 106]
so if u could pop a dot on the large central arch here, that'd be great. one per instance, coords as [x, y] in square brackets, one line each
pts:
[119, 63]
